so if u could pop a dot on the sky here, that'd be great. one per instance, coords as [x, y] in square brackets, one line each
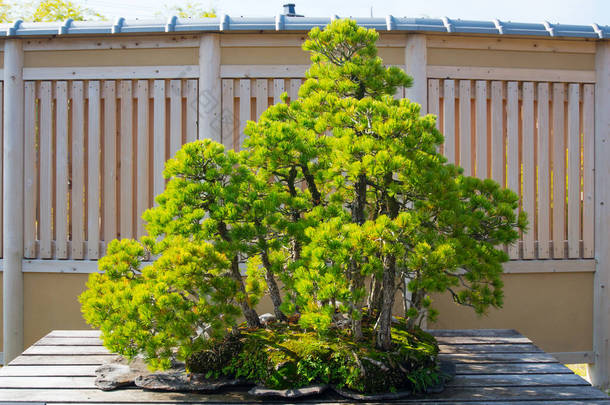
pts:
[555, 11]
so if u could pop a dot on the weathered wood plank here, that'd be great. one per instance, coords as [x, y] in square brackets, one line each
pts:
[46, 169]
[512, 148]
[228, 114]
[544, 179]
[77, 203]
[489, 348]
[158, 136]
[30, 170]
[46, 360]
[588, 209]
[497, 133]
[74, 333]
[58, 371]
[461, 340]
[449, 120]
[61, 170]
[475, 333]
[511, 368]
[528, 174]
[47, 382]
[93, 172]
[499, 357]
[516, 380]
[450, 395]
[465, 127]
[489, 394]
[68, 341]
[481, 128]
[64, 350]
[559, 171]
[573, 170]
[126, 161]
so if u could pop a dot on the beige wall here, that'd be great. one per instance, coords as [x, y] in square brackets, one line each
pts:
[293, 55]
[510, 59]
[112, 57]
[555, 310]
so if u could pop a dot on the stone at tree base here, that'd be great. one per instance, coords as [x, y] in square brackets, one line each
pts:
[179, 381]
[265, 319]
[263, 392]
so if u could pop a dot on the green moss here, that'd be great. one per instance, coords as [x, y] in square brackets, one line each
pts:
[285, 356]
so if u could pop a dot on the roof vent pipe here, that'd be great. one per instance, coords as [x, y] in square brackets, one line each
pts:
[289, 10]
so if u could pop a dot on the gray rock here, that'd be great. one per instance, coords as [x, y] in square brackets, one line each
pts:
[342, 321]
[179, 381]
[113, 376]
[263, 392]
[384, 396]
[267, 318]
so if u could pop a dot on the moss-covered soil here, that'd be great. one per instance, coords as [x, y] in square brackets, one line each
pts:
[283, 355]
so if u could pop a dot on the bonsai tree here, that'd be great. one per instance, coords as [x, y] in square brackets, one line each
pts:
[342, 196]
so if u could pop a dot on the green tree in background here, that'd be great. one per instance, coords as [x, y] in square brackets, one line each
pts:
[47, 11]
[186, 10]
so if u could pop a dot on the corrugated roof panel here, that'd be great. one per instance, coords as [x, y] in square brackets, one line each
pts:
[88, 27]
[583, 31]
[474, 27]
[305, 23]
[250, 24]
[419, 24]
[285, 23]
[199, 24]
[141, 26]
[376, 23]
[511, 28]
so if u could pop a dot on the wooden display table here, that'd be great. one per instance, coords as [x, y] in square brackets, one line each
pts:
[492, 366]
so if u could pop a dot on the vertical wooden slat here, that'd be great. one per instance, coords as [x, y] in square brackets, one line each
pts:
[142, 158]
[61, 170]
[126, 159]
[293, 92]
[2, 167]
[544, 200]
[228, 115]
[278, 89]
[191, 110]
[529, 170]
[588, 223]
[110, 166]
[244, 109]
[433, 99]
[30, 172]
[573, 171]
[262, 97]
[512, 146]
[93, 170]
[46, 169]
[158, 136]
[497, 150]
[449, 119]
[77, 203]
[465, 139]
[175, 116]
[559, 174]
[481, 128]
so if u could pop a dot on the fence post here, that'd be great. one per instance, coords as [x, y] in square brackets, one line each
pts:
[209, 87]
[13, 200]
[416, 65]
[601, 295]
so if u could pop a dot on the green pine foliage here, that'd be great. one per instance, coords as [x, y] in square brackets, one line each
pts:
[339, 196]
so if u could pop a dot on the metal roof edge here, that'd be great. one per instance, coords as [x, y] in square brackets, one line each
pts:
[283, 23]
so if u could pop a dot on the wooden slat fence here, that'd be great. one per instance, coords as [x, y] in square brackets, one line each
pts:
[536, 138]
[94, 153]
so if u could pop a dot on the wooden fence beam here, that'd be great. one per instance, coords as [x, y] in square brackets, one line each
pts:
[416, 67]
[600, 371]
[209, 88]
[13, 200]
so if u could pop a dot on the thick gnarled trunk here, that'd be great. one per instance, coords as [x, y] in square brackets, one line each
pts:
[274, 290]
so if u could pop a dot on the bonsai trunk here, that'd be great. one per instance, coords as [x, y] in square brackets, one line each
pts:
[250, 314]
[417, 298]
[383, 339]
[374, 300]
[357, 279]
[274, 291]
